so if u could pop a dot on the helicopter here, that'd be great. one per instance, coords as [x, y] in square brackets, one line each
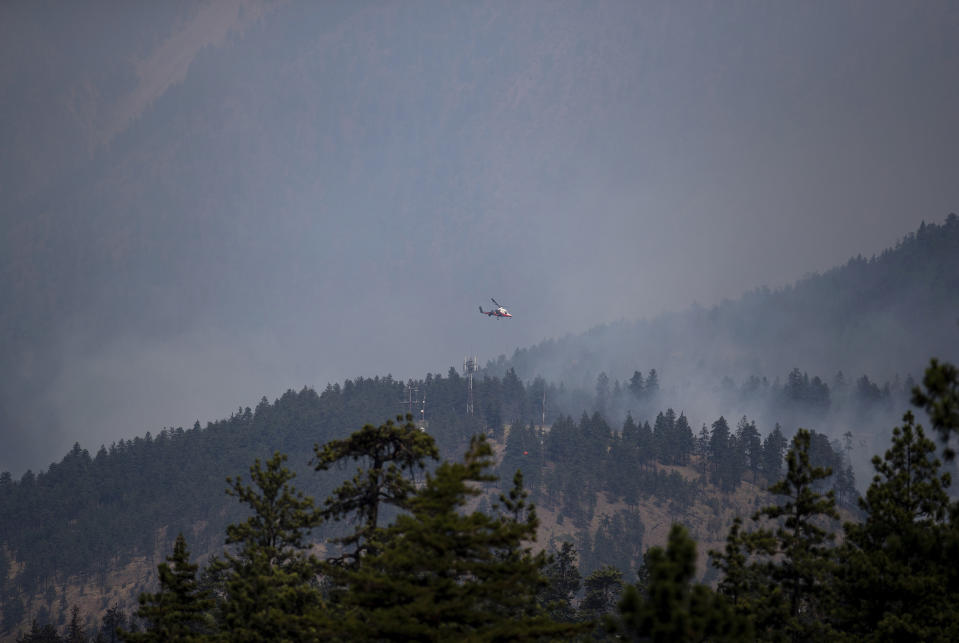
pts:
[499, 311]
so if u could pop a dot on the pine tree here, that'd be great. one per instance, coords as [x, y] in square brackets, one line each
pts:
[772, 455]
[652, 385]
[894, 584]
[940, 399]
[602, 590]
[738, 582]
[673, 608]
[637, 385]
[75, 632]
[180, 610]
[702, 449]
[728, 458]
[439, 574]
[40, 634]
[270, 580]
[563, 582]
[685, 441]
[110, 624]
[751, 445]
[391, 455]
[797, 559]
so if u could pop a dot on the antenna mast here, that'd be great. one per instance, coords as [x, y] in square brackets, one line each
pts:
[469, 367]
[544, 404]
[423, 412]
[413, 399]
[412, 391]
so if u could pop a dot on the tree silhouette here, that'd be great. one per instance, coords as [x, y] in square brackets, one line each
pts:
[179, 611]
[440, 574]
[392, 454]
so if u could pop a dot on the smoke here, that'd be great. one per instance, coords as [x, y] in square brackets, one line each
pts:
[205, 206]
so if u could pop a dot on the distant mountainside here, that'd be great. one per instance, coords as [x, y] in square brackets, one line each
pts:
[89, 530]
[885, 315]
[241, 168]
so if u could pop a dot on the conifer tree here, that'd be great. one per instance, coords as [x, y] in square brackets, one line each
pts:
[602, 591]
[75, 632]
[391, 455]
[651, 390]
[673, 608]
[749, 442]
[40, 634]
[439, 574]
[637, 385]
[772, 455]
[180, 610]
[738, 582]
[270, 580]
[798, 562]
[940, 399]
[894, 583]
[110, 624]
[702, 449]
[563, 582]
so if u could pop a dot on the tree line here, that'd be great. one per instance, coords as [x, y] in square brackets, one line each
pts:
[85, 512]
[440, 571]
[90, 509]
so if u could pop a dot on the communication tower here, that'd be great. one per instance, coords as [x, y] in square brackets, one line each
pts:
[412, 400]
[544, 404]
[423, 425]
[469, 367]
[412, 393]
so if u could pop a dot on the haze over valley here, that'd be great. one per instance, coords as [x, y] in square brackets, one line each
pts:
[206, 204]
[235, 227]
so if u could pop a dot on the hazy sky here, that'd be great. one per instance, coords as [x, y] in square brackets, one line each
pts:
[224, 201]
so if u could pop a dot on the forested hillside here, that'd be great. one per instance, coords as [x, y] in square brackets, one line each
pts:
[611, 488]
[241, 242]
[611, 460]
[441, 564]
[879, 315]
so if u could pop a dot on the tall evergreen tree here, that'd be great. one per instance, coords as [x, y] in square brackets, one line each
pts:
[180, 610]
[673, 608]
[651, 390]
[637, 385]
[114, 619]
[702, 449]
[601, 405]
[563, 582]
[797, 557]
[75, 632]
[738, 580]
[270, 586]
[685, 441]
[40, 634]
[729, 460]
[940, 399]
[602, 590]
[663, 436]
[391, 454]
[440, 574]
[774, 445]
[894, 583]
[751, 445]
[718, 445]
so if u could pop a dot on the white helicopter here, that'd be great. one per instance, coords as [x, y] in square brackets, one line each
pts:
[499, 311]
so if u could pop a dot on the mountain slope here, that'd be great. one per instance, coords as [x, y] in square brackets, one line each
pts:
[885, 316]
[88, 531]
[276, 168]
